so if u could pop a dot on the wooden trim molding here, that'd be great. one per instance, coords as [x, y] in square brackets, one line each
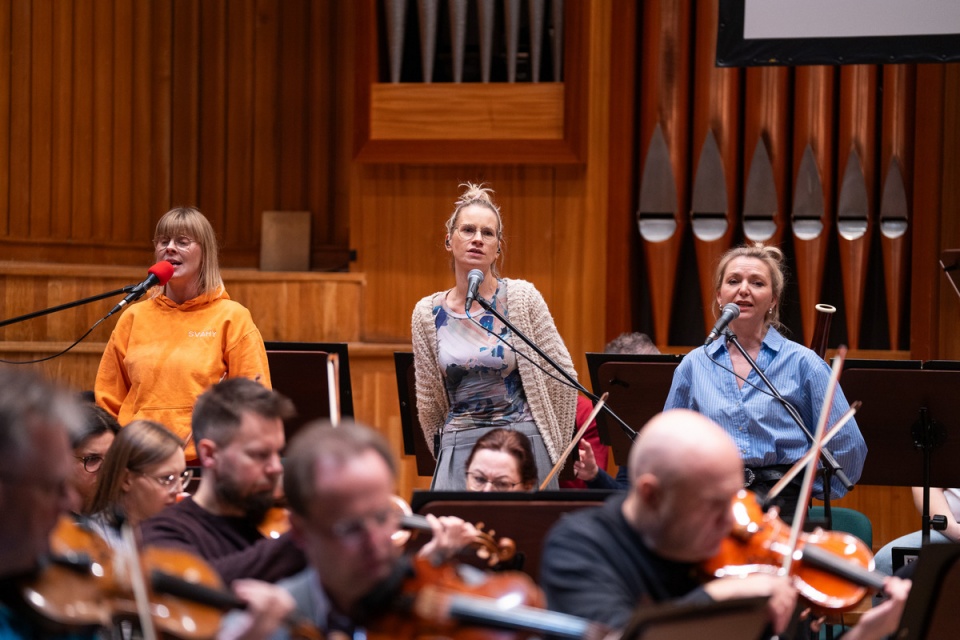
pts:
[492, 123]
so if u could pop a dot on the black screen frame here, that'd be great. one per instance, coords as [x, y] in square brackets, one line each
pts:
[735, 51]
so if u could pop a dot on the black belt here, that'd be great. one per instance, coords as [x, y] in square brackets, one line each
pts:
[764, 475]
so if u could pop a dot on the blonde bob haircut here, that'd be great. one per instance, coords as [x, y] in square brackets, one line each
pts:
[189, 222]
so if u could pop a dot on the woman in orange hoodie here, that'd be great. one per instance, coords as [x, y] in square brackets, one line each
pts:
[188, 335]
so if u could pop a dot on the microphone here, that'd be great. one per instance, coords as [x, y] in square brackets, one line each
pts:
[159, 273]
[474, 278]
[730, 313]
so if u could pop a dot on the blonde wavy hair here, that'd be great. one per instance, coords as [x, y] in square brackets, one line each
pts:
[772, 257]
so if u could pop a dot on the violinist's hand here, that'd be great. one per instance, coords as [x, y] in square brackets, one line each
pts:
[450, 535]
[267, 607]
[782, 595]
[585, 468]
[883, 620]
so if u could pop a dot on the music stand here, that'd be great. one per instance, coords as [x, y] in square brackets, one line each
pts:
[738, 619]
[638, 386]
[908, 420]
[931, 609]
[298, 370]
[414, 442]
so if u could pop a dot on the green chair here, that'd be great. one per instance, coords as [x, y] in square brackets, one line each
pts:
[849, 521]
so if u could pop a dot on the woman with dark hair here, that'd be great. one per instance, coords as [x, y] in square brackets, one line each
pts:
[142, 473]
[502, 460]
[90, 444]
[719, 382]
[166, 351]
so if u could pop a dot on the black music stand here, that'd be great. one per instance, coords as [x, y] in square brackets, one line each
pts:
[298, 370]
[738, 619]
[931, 609]
[638, 386]
[414, 442]
[909, 420]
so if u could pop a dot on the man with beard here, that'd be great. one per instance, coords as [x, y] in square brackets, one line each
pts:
[238, 430]
[340, 485]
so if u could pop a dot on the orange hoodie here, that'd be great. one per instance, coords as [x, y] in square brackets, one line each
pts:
[162, 355]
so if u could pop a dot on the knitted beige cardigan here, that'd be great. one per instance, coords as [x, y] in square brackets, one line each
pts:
[553, 403]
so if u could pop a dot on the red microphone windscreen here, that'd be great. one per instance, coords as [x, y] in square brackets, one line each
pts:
[163, 270]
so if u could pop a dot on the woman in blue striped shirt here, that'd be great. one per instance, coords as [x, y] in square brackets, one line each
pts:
[718, 382]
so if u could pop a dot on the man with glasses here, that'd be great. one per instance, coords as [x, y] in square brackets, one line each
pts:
[35, 420]
[238, 430]
[340, 484]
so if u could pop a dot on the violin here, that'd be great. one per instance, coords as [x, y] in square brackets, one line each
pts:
[488, 547]
[86, 583]
[446, 601]
[831, 569]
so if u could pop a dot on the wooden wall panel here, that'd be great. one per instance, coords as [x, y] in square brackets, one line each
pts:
[949, 237]
[5, 109]
[112, 111]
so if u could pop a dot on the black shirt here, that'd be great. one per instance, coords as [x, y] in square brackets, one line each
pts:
[596, 566]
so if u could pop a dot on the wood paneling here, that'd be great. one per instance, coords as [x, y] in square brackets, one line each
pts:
[475, 111]
[311, 307]
[112, 111]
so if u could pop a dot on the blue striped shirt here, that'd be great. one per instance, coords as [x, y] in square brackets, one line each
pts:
[762, 429]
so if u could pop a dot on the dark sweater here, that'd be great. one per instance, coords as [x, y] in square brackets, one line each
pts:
[232, 545]
[596, 566]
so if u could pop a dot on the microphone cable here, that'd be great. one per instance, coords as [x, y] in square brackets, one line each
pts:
[59, 353]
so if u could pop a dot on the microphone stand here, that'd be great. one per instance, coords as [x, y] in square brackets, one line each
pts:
[68, 305]
[831, 466]
[631, 433]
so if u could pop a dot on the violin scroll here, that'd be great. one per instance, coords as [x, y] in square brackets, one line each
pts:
[488, 547]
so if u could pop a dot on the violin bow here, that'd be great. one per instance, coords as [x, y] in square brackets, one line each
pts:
[800, 464]
[576, 439]
[807, 486]
[137, 582]
[333, 387]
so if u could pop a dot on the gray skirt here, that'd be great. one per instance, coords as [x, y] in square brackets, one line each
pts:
[455, 448]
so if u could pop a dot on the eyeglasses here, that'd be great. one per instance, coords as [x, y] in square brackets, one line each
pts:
[170, 482]
[91, 463]
[352, 530]
[478, 481]
[180, 242]
[469, 231]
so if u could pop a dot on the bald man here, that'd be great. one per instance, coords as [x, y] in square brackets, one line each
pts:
[645, 546]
